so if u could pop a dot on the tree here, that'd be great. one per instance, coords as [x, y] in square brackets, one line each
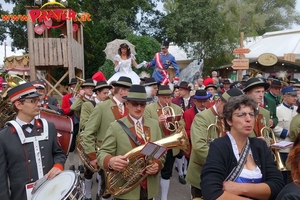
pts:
[211, 29]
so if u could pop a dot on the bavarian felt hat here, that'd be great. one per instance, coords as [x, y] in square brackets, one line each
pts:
[23, 91]
[73, 81]
[210, 85]
[88, 82]
[231, 93]
[123, 81]
[201, 95]
[164, 90]
[276, 83]
[164, 44]
[137, 93]
[291, 90]
[237, 84]
[185, 85]
[150, 81]
[38, 84]
[226, 81]
[101, 85]
[255, 82]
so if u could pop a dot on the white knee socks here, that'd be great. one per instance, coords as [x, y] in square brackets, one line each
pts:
[88, 188]
[164, 186]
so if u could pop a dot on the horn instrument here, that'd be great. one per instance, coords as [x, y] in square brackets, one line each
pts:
[213, 131]
[120, 182]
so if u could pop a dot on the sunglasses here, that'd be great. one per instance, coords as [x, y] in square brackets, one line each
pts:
[136, 104]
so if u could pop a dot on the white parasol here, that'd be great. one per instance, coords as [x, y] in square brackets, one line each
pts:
[112, 48]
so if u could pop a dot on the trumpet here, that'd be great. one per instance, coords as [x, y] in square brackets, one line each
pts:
[266, 132]
[213, 131]
[172, 120]
[80, 81]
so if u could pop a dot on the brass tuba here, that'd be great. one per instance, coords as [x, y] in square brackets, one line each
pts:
[172, 120]
[120, 182]
[266, 132]
[213, 131]
[6, 108]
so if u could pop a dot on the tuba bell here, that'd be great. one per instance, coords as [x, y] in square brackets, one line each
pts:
[212, 132]
[270, 138]
[120, 182]
[6, 108]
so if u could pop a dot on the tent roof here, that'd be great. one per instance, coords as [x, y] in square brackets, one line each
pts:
[277, 42]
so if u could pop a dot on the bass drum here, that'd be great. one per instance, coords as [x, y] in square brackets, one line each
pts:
[65, 186]
[63, 125]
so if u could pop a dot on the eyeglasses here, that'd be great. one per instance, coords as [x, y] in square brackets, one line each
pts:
[244, 114]
[136, 104]
[32, 101]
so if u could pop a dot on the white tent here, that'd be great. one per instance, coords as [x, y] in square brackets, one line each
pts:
[8, 53]
[277, 42]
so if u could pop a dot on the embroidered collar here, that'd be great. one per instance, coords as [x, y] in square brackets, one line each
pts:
[287, 106]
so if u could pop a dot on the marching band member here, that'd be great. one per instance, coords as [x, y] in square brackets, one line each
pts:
[237, 166]
[101, 90]
[185, 102]
[200, 100]
[85, 95]
[274, 91]
[102, 115]
[213, 115]
[117, 143]
[27, 150]
[155, 111]
[255, 88]
[162, 61]
[294, 129]
[212, 89]
[285, 113]
[46, 101]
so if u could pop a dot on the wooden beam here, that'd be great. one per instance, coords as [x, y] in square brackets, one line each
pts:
[57, 83]
[51, 85]
[241, 56]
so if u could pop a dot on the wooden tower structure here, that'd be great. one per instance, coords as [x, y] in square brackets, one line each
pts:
[46, 52]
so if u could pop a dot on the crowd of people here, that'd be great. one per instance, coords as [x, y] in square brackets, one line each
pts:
[229, 126]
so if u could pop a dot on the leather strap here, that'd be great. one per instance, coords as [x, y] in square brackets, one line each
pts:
[129, 133]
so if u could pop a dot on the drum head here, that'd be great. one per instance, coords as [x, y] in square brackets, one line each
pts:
[57, 188]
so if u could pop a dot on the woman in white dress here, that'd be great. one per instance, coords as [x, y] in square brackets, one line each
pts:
[123, 62]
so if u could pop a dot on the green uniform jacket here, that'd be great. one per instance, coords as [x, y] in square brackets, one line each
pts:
[199, 146]
[154, 110]
[270, 105]
[86, 110]
[294, 127]
[102, 115]
[76, 106]
[117, 142]
[277, 99]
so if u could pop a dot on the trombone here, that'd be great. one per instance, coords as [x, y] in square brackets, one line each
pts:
[80, 81]
[270, 139]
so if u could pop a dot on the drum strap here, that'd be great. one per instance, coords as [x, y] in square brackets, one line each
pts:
[35, 140]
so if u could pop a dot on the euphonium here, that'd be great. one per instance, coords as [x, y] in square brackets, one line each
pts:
[172, 120]
[6, 108]
[266, 132]
[80, 81]
[213, 131]
[82, 155]
[120, 182]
